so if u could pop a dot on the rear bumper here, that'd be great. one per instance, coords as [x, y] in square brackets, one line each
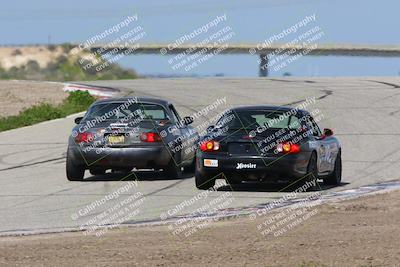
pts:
[129, 157]
[285, 167]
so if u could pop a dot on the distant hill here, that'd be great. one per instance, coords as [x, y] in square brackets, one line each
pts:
[56, 63]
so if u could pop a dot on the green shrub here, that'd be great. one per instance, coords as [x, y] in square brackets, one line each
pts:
[76, 101]
[67, 47]
[16, 52]
[52, 47]
[32, 65]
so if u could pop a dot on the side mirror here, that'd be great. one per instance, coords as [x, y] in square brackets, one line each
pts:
[328, 132]
[188, 120]
[210, 128]
[78, 120]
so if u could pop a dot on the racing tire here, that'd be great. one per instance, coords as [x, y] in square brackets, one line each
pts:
[312, 173]
[173, 169]
[191, 167]
[335, 178]
[74, 172]
[203, 182]
[232, 180]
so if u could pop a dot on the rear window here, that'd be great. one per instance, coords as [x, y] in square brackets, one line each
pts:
[116, 111]
[252, 119]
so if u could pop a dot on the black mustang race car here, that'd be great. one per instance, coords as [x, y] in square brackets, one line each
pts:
[265, 143]
[126, 133]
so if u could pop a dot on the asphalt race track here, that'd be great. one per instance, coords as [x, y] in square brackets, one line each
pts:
[36, 196]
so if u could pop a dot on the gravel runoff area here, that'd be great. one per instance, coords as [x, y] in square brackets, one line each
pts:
[18, 95]
[360, 232]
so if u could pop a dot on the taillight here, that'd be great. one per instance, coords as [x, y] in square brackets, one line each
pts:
[288, 148]
[208, 146]
[84, 137]
[150, 137]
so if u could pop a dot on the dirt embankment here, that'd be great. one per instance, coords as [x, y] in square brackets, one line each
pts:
[20, 56]
[18, 95]
[362, 232]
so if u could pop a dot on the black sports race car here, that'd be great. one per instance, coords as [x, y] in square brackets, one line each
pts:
[126, 133]
[268, 144]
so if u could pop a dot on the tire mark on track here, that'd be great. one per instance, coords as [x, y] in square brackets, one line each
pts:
[24, 151]
[32, 164]
[40, 197]
[386, 83]
[394, 86]
[291, 81]
[76, 207]
[326, 93]
[29, 144]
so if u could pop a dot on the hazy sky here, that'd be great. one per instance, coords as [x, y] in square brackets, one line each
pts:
[342, 21]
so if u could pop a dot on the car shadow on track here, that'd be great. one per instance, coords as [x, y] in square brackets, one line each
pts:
[135, 175]
[268, 187]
